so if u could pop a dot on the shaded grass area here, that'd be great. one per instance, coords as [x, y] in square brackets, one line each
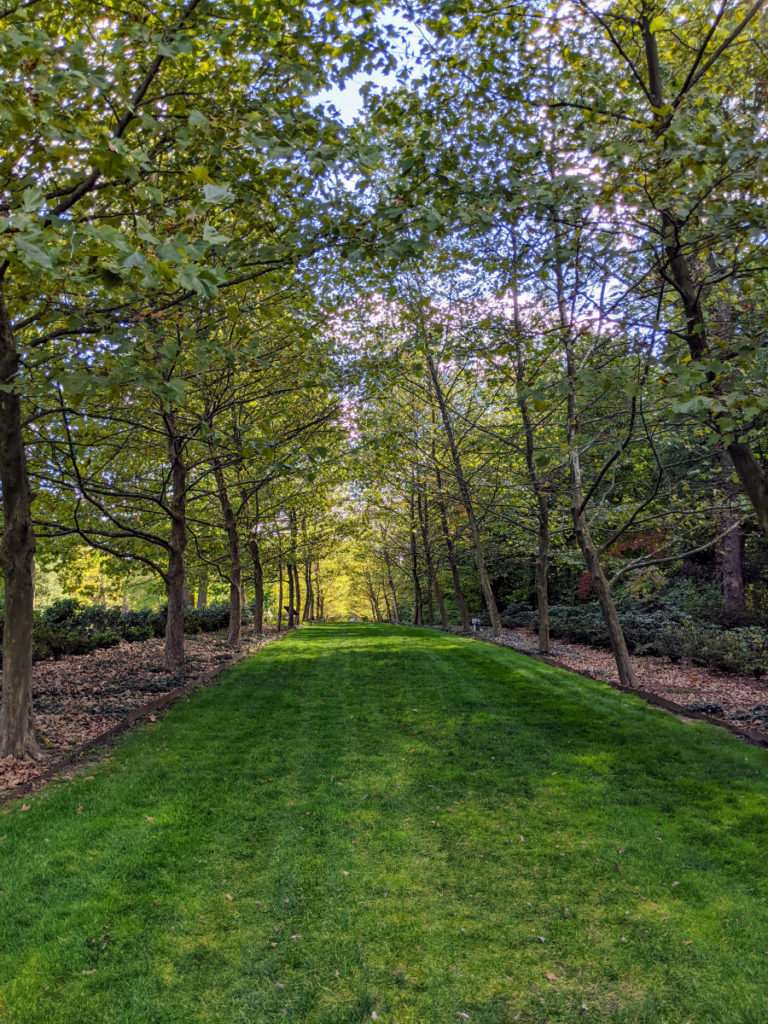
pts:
[370, 820]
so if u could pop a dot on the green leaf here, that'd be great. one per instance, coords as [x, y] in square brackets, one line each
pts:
[218, 194]
[213, 236]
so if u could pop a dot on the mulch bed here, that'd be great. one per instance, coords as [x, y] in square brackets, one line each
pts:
[82, 699]
[740, 703]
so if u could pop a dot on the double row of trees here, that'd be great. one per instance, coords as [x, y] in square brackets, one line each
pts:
[520, 305]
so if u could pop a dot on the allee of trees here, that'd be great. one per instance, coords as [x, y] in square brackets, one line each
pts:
[515, 314]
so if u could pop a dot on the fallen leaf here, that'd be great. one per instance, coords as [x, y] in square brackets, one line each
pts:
[25, 807]
[80, 809]
[147, 818]
[551, 976]
[92, 971]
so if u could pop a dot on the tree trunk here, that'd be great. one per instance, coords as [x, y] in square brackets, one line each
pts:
[294, 588]
[584, 538]
[234, 632]
[202, 594]
[279, 589]
[17, 553]
[466, 498]
[291, 596]
[753, 480]
[296, 592]
[188, 602]
[539, 490]
[466, 625]
[418, 613]
[431, 572]
[542, 573]
[391, 585]
[173, 653]
[309, 598]
[258, 583]
[319, 602]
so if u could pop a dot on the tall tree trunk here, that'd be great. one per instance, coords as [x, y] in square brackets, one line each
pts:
[296, 591]
[539, 487]
[258, 583]
[319, 602]
[584, 536]
[391, 583]
[234, 632]
[309, 595]
[280, 588]
[173, 653]
[202, 594]
[17, 553]
[466, 625]
[542, 572]
[291, 595]
[188, 602]
[431, 572]
[542, 509]
[418, 613]
[466, 498]
[294, 598]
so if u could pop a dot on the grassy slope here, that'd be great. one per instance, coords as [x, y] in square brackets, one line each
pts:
[398, 817]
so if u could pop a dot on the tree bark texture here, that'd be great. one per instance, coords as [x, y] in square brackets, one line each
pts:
[17, 553]
[418, 612]
[173, 653]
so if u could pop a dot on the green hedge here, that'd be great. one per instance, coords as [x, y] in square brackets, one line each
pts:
[662, 632]
[71, 627]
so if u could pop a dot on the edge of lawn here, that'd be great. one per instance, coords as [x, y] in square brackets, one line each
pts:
[749, 736]
[73, 760]
[103, 745]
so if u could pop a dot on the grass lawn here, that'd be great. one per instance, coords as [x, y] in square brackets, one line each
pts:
[372, 823]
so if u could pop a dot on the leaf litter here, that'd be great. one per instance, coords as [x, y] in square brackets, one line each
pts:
[79, 698]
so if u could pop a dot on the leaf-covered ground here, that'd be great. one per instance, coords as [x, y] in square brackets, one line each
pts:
[369, 823]
[80, 697]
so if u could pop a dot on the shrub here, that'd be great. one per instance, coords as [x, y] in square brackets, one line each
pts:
[71, 627]
[666, 631]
